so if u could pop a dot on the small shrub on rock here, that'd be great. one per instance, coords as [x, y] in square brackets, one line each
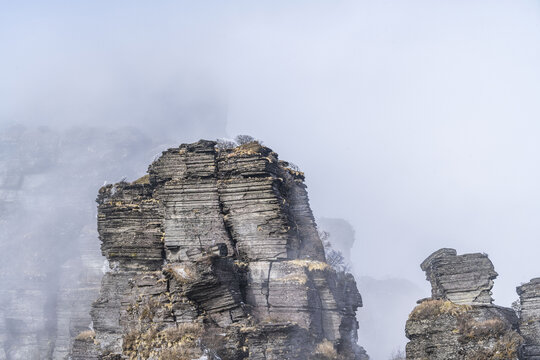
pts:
[244, 139]
[225, 144]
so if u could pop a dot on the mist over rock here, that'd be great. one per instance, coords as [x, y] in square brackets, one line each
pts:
[340, 234]
[50, 262]
[215, 254]
[386, 301]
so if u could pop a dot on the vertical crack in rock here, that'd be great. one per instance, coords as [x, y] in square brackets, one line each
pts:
[267, 286]
[459, 321]
[216, 253]
[224, 215]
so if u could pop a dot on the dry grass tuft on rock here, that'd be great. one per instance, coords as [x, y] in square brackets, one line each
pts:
[88, 335]
[181, 342]
[507, 347]
[145, 179]
[325, 351]
[471, 329]
[247, 149]
[430, 309]
[299, 279]
[311, 265]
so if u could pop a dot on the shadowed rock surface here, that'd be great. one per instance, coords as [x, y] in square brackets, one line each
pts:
[216, 253]
[459, 321]
[529, 295]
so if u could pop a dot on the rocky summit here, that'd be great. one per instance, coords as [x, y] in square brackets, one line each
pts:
[459, 321]
[463, 279]
[215, 254]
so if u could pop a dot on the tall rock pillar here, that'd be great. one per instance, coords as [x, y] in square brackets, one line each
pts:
[215, 254]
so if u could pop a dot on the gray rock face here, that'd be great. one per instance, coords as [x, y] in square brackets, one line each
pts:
[216, 253]
[459, 322]
[462, 279]
[529, 295]
[441, 330]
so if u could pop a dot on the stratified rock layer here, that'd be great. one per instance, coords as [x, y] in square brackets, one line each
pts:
[216, 253]
[459, 322]
[529, 295]
[462, 279]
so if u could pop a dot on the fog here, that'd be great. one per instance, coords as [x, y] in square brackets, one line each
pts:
[416, 121]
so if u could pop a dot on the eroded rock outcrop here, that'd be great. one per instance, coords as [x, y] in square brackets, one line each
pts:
[216, 253]
[463, 279]
[459, 321]
[529, 295]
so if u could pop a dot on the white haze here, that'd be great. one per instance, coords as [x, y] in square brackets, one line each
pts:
[417, 121]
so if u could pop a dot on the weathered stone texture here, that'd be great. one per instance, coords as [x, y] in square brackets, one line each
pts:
[463, 279]
[447, 331]
[459, 322]
[129, 226]
[84, 348]
[216, 253]
[529, 295]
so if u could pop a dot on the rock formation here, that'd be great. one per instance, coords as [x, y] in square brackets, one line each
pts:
[215, 254]
[459, 321]
[529, 295]
[464, 279]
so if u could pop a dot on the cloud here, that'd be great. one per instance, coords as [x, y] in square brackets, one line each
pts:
[417, 121]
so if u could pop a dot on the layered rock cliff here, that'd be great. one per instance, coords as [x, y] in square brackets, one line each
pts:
[460, 321]
[529, 313]
[215, 254]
